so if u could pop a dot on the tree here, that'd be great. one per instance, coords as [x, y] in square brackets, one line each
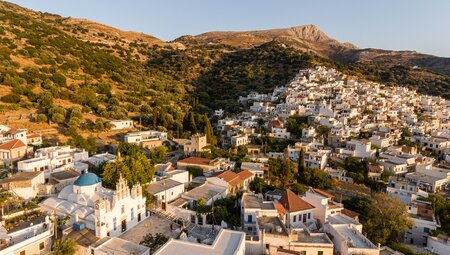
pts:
[387, 219]
[4, 197]
[299, 188]
[441, 207]
[192, 126]
[316, 178]
[281, 171]
[158, 154]
[88, 144]
[136, 169]
[41, 118]
[45, 99]
[128, 149]
[301, 162]
[12, 98]
[64, 246]
[210, 138]
[154, 242]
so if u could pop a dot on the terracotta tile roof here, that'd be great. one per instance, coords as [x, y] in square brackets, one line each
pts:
[16, 143]
[323, 193]
[294, 203]
[227, 175]
[375, 169]
[350, 213]
[196, 160]
[235, 182]
[276, 124]
[232, 178]
[280, 208]
[33, 136]
[245, 174]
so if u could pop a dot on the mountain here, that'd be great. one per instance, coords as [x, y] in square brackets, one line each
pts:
[312, 40]
[306, 38]
[70, 76]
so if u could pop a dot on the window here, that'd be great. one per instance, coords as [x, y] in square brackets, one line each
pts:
[426, 230]
[309, 216]
[132, 213]
[123, 208]
[320, 253]
[304, 217]
[115, 224]
[295, 218]
[41, 246]
[22, 253]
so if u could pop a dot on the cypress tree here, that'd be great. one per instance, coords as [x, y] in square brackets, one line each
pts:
[192, 125]
[209, 131]
[301, 163]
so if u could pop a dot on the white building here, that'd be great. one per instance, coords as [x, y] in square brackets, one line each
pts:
[227, 242]
[256, 168]
[196, 144]
[107, 212]
[34, 238]
[323, 205]
[349, 240]
[438, 245]
[280, 133]
[317, 159]
[165, 190]
[99, 159]
[239, 140]
[253, 207]
[25, 185]
[425, 223]
[143, 136]
[298, 211]
[50, 159]
[121, 124]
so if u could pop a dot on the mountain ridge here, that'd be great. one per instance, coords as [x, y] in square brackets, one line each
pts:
[52, 66]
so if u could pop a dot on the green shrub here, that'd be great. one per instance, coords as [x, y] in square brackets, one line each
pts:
[12, 98]
[41, 118]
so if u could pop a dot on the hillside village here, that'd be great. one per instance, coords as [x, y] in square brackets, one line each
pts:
[289, 175]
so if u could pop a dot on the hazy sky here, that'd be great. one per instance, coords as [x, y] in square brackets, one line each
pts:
[421, 25]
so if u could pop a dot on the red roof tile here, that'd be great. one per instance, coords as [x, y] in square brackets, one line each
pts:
[196, 160]
[33, 136]
[323, 193]
[294, 203]
[245, 174]
[350, 213]
[16, 143]
[280, 208]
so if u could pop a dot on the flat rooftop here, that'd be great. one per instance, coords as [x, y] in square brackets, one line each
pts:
[67, 174]
[319, 238]
[226, 243]
[422, 177]
[252, 201]
[119, 246]
[272, 225]
[160, 186]
[204, 192]
[21, 176]
[339, 218]
[354, 238]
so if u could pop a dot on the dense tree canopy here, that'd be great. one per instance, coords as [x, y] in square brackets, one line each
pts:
[386, 219]
[136, 169]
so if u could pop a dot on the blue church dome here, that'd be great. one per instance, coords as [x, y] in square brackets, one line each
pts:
[87, 179]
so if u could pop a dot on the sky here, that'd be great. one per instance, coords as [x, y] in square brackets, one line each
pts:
[420, 25]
